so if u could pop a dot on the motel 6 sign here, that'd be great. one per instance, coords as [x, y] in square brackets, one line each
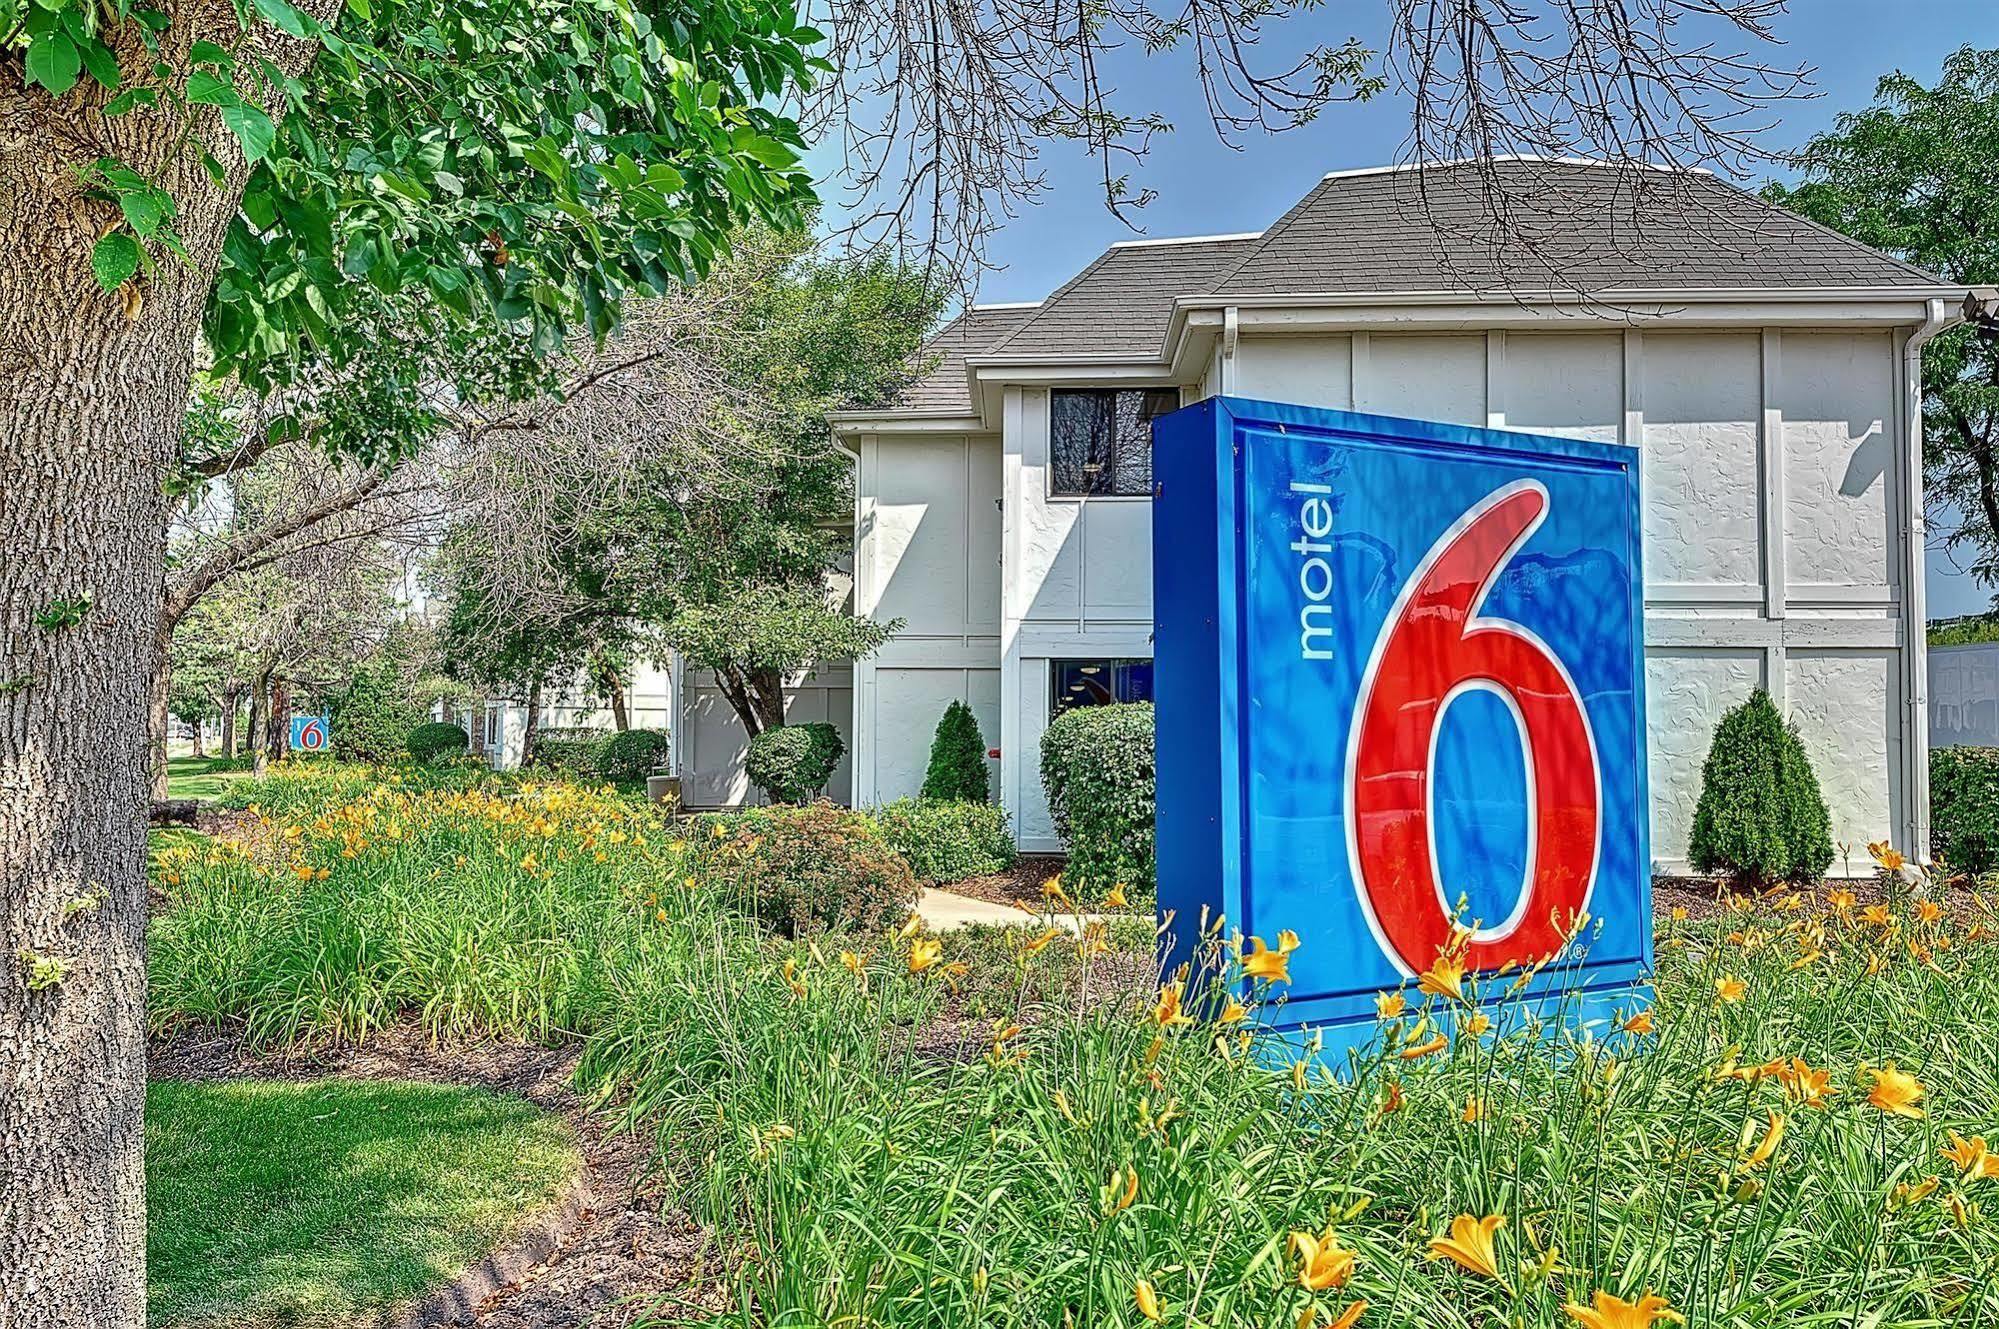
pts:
[1400, 683]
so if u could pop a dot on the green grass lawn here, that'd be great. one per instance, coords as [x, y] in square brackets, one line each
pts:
[326, 1203]
[201, 777]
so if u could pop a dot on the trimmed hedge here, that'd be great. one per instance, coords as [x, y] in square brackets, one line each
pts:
[1964, 808]
[793, 762]
[958, 758]
[811, 869]
[372, 719]
[436, 740]
[1096, 766]
[632, 755]
[1760, 816]
[571, 751]
[947, 840]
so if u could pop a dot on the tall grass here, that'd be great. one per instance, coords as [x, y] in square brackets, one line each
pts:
[858, 1170]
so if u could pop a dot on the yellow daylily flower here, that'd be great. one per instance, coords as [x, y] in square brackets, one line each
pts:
[1116, 900]
[1167, 1012]
[1267, 965]
[1322, 1262]
[1767, 1147]
[1148, 1300]
[1640, 1023]
[1232, 1012]
[1434, 1043]
[1730, 989]
[1445, 978]
[924, 953]
[1971, 1156]
[1478, 1023]
[1895, 1092]
[1613, 1312]
[1470, 1244]
[1388, 1005]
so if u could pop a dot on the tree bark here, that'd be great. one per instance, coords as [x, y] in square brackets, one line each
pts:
[281, 719]
[229, 700]
[612, 683]
[260, 724]
[158, 717]
[767, 694]
[738, 695]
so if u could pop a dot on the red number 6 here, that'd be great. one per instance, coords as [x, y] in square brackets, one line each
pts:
[1433, 647]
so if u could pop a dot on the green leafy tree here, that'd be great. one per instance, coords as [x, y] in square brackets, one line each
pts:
[1760, 816]
[294, 187]
[958, 769]
[373, 717]
[1913, 175]
[756, 639]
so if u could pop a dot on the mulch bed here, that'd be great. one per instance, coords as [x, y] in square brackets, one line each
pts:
[612, 1251]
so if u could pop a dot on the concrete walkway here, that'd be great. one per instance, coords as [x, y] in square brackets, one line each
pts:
[941, 911]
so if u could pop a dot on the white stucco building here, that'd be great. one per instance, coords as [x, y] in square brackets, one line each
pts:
[1765, 368]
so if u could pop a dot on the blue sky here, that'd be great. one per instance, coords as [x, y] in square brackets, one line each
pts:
[1205, 187]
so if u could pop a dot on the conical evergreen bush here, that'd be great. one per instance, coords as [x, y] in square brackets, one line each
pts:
[1760, 815]
[958, 759]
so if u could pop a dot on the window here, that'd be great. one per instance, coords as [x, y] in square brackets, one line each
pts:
[1100, 441]
[1076, 683]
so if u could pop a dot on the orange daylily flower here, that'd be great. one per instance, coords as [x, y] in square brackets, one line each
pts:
[1391, 1097]
[1434, 1043]
[1168, 1013]
[1322, 1262]
[1470, 1244]
[1895, 1092]
[1806, 1086]
[1613, 1312]
[1971, 1156]
[1767, 1148]
[1445, 978]
[1640, 1023]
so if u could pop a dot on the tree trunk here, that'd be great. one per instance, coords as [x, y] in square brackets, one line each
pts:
[738, 694]
[533, 722]
[281, 720]
[198, 753]
[260, 724]
[229, 700]
[621, 719]
[767, 694]
[158, 720]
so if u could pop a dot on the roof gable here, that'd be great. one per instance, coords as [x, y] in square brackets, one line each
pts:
[1118, 307]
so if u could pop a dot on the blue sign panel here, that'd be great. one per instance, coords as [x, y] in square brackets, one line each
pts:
[1400, 700]
[310, 733]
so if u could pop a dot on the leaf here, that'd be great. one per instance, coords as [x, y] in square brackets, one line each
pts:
[282, 16]
[114, 259]
[208, 53]
[144, 209]
[103, 65]
[205, 89]
[53, 62]
[252, 128]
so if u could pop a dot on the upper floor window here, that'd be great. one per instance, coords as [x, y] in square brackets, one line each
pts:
[1100, 439]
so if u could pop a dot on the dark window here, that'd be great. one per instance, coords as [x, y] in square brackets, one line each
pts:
[1098, 683]
[1101, 440]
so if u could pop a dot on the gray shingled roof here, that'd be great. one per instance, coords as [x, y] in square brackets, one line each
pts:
[1119, 305]
[1571, 225]
[942, 388]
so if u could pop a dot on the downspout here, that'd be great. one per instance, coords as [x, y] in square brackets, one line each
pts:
[1231, 333]
[1915, 594]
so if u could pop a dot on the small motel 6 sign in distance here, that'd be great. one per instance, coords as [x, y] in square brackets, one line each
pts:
[1400, 684]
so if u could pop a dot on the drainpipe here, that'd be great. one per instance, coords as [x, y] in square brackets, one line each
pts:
[1231, 330]
[1914, 592]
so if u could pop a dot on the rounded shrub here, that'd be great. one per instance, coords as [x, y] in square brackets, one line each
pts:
[812, 868]
[372, 719]
[574, 752]
[946, 840]
[632, 755]
[793, 762]
[1760, 816]
[1964, 808]
[436, 741]
[1096, 767]
[958, 758]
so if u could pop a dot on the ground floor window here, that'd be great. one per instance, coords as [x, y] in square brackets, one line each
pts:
[1097, 683]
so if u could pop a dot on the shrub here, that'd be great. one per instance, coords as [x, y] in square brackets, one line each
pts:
[793, 762]
[813, 868]
[437, 739]
[632, 755]
[947, 840]
[574, 752]
[958, 758]
[1760, 816]
[1964, 808]
[372, 719]
[1096, 766]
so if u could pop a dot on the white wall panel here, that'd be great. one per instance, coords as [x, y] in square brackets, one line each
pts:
[908, 705]
[1702, 410]
[1686, 693]
[1310, 371]
[1837, 394]
[1568, 385]
[930, 531]
[1423, 378]
[1845, 706]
